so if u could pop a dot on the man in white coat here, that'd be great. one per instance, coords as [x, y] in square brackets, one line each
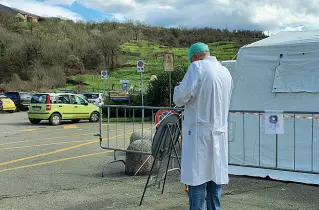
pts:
[205, 91]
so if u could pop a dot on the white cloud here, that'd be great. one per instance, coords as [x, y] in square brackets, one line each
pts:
[61, 2]
[5, 3]
[42, 9]
[236, 14]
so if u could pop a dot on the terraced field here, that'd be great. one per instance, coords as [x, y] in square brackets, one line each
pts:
[150, 53]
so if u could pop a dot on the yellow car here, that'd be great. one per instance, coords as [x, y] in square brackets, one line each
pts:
[6, 104]
[56, 107]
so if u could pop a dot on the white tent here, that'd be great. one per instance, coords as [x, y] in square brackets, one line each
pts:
[277, 73]
[230, 65]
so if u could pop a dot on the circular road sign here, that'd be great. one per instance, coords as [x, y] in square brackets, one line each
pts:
[140, 64]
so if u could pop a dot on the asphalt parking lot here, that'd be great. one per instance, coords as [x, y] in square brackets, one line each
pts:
[59, 167]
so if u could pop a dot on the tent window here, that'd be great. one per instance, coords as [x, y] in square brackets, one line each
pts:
[296, 74]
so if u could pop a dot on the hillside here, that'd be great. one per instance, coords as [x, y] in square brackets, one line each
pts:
[146, 51]
[43, 55]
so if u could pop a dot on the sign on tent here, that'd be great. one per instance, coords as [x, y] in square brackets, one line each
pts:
[274, 122]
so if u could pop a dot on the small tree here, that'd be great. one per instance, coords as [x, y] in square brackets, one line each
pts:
[109, 46]
[40, 78]
[58, 76]
[157, 93]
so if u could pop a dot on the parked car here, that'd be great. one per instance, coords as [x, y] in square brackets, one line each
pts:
[83, 96]
[20, 99]
[56, 107]
[95, 98]
[6, 104]
[66, 91]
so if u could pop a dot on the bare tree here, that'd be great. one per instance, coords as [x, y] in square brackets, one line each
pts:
[109, 45]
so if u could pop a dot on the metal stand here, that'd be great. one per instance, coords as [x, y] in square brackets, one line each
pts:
[165, 139]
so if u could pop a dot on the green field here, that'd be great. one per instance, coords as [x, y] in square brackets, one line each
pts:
[142, 50]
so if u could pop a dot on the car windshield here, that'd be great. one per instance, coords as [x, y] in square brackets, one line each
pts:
[3, 96]
[91, 96]
[26, 95]
[12, 95]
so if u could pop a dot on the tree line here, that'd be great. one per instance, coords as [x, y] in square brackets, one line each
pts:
[41, 55]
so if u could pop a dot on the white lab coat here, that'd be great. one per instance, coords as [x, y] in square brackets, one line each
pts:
[206, 93]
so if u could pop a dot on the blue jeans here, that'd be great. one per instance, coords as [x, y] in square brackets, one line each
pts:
[209, 190]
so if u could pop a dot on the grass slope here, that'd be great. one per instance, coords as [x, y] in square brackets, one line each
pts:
[142, 50]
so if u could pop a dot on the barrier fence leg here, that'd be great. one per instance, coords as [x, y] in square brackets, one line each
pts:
[114, 161]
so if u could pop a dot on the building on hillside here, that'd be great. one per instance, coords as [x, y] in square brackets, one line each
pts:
[27, 18]
[31, 18]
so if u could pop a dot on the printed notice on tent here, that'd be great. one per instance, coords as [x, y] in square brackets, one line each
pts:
[274, 122]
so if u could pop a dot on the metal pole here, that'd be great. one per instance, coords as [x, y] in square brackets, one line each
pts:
[142, 110]
[142, 88]
[104, 87]
[170, 89]
[101, 123]
[244, 149]
[312, 135]
[276, 150]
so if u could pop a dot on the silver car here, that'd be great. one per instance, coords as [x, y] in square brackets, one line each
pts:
[95, 98]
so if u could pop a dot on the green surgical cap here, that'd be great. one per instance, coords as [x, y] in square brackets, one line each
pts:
[197, 48]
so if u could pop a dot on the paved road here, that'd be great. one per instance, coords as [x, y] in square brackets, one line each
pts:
[46, 167]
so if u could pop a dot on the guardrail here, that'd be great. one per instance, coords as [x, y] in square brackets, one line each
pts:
[249, 145]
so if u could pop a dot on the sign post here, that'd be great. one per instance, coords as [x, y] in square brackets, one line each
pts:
[169, 67]
[124, 84]
[274, 124]
[140, 69]
[104, 77]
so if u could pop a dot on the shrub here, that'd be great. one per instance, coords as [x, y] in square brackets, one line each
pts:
[157, 93]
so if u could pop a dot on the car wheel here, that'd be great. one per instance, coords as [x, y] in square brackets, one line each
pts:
[75, 121]
[11, 111]
[34, 121]
[55, 119]
[95, 117]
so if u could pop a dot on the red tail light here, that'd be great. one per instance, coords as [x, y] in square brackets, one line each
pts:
[48, 102]
[1, 101]
[100, 100]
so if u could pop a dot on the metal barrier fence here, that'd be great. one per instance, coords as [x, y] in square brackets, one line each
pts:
[296, 150]
[120, 122]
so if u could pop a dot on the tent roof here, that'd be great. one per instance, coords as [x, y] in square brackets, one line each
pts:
[288, 38]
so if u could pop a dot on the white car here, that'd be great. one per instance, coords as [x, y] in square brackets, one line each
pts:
[95, 98]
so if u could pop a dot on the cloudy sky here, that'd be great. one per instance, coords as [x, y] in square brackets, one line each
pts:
[272, 15]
